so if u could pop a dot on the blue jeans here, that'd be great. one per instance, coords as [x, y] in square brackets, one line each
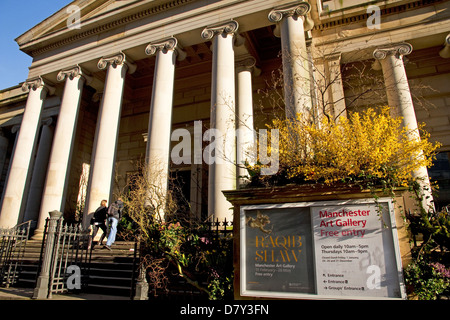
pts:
[112, 233]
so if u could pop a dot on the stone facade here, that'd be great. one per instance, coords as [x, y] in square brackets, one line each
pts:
[117, 87]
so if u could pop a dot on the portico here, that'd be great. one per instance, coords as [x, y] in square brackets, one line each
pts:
[140, 70]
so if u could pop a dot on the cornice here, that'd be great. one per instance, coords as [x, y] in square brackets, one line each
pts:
[108, 26]
[322, 24]
[346, 19]
[15, 99]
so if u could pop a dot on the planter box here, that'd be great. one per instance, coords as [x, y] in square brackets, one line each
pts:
[320, 242]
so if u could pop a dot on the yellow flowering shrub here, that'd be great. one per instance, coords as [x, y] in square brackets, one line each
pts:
[365, 147]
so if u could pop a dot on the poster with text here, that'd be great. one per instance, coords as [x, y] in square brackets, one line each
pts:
[354, 251]
[278, 250]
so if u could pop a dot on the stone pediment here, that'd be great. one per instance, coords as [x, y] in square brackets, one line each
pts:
[58, 20]
[94, 16]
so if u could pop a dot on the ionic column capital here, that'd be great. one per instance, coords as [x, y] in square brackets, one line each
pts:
[169, 44]
[229, 27]
[73, 72]
[297, 9]
[15, 128]
[119, 59]
[445, 52]
[97, 96]
[397, 50]
[47, 121]
[247, 64]
[293, 10]
[36, 83]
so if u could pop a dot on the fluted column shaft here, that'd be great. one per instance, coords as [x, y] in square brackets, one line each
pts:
[292, 23]
[39, 170]
[160, 118]
[4, 142]
[61, 154]
[20, 166]
[396, 82]
[105, 142]
[245, 137]
[222, 170]
[400, 99]
[336, 90]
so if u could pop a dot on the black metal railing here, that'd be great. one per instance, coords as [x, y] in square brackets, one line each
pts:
[13, 242]
[64, 261]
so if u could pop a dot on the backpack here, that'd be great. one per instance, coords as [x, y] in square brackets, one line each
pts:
[114, 211]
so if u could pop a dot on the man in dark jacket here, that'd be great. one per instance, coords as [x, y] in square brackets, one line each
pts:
[114, 214]
[100, 216]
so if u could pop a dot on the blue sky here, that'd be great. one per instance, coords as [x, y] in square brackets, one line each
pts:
[17, 17]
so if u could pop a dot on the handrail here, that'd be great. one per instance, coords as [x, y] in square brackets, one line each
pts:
[23, 223]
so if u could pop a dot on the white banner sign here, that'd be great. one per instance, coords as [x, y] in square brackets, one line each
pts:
[354, 251]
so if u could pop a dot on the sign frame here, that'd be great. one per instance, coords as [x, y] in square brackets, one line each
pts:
[397, 264]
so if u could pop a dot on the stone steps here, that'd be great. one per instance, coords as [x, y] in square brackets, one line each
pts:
[110, 272]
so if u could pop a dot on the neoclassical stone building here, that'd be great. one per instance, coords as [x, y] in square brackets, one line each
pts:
[111, 81]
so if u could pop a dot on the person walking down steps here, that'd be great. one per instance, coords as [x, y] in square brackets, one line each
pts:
[114, 214]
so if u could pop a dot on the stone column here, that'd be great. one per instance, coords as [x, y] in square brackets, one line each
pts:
[292, 22]
[160, 118]
[396, 83]
[335, 96]
[20, 166]
[399, 96]
[105, 142]
[4, 143]
[245, 137]
[222, 169]
[60, 158]
[329, 87]
[39, 171]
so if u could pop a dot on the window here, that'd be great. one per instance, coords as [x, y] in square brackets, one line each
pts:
[333, 5]
[440, 173]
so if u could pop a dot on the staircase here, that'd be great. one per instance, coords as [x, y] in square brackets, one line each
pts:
[110, 272]
[28, 274]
